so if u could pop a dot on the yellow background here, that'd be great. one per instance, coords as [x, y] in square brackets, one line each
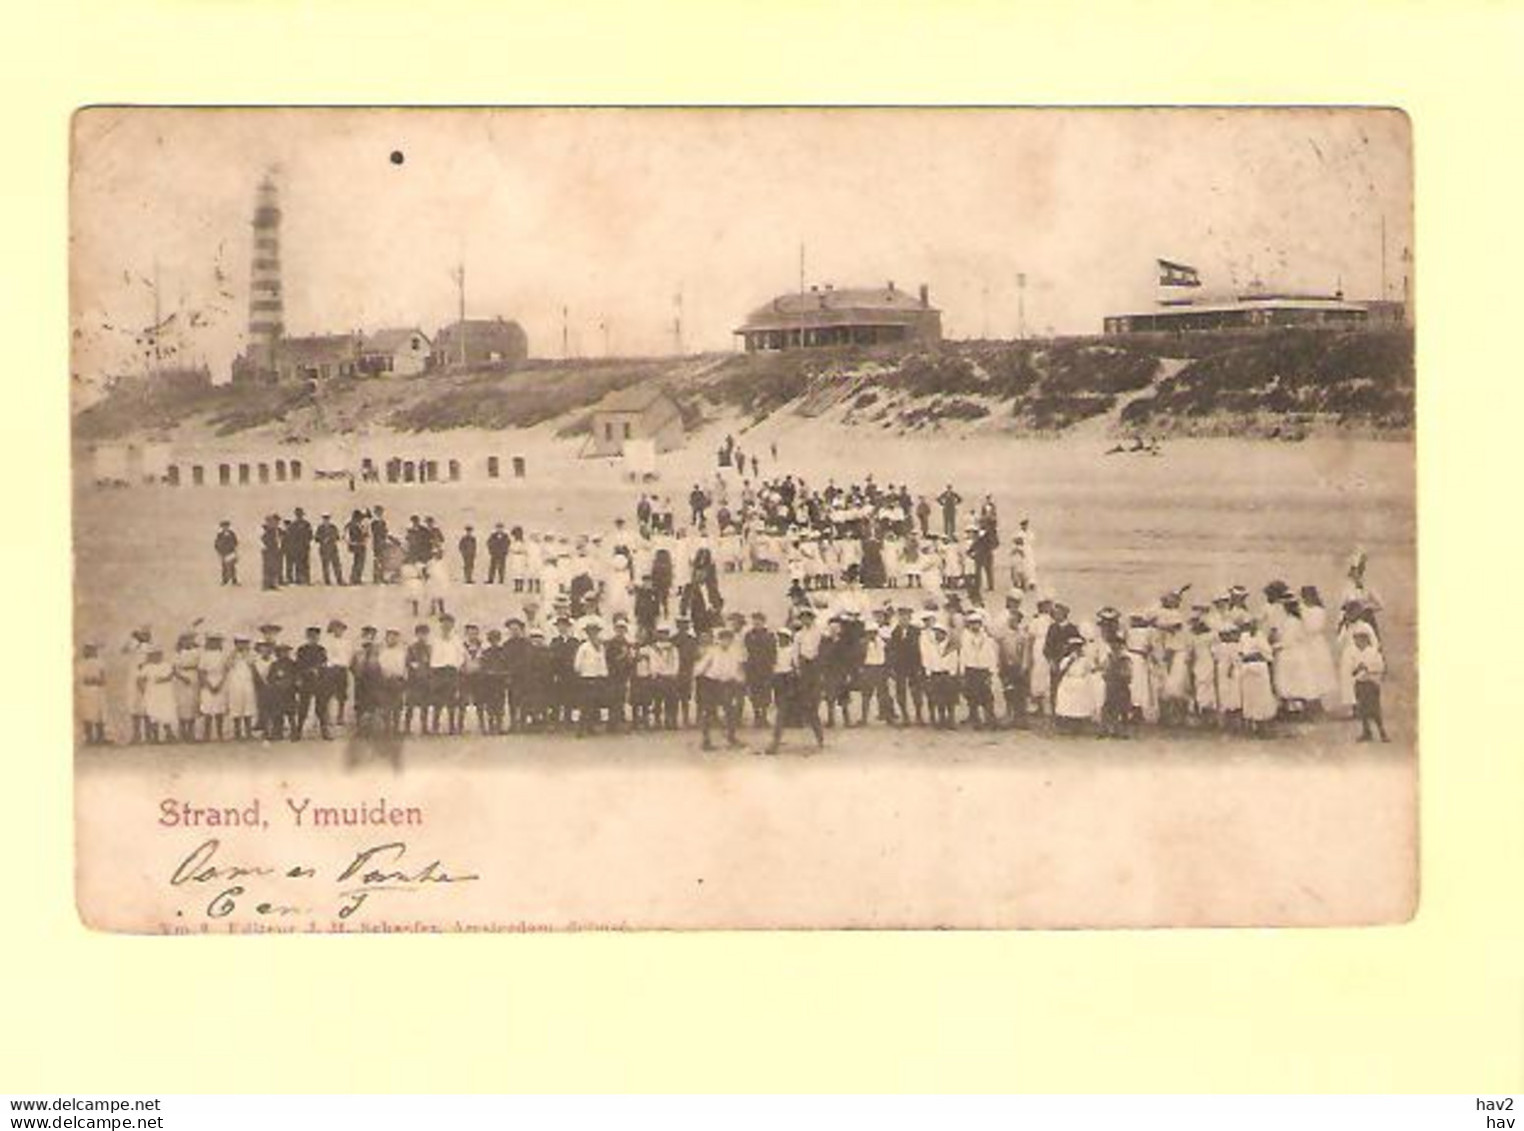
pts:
[1437, 1005]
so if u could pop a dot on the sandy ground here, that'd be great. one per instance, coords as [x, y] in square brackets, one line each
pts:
[887, 828]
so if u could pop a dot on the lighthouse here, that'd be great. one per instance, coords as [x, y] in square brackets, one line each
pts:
[266, 324]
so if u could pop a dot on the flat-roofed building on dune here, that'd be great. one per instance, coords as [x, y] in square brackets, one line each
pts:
[1249, 312]
[848, 316]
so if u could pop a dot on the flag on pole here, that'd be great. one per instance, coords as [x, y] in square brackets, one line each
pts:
[1177, 274]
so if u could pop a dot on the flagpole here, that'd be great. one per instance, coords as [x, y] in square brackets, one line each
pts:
[1383, 257]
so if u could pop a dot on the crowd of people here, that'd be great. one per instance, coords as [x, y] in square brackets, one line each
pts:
[876, 537]
[629, 629]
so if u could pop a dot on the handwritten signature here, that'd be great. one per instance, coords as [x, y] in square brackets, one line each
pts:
[380, 868]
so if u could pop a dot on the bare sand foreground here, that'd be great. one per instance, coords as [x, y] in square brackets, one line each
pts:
[887, 828]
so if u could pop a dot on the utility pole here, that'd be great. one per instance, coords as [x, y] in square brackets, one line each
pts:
[459, 275]
[984, 305]
[677, 322]
[1021, 306]
[1383, 257]
[565, 335]
[157, 315]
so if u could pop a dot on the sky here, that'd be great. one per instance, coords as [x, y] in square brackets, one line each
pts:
[611, 214]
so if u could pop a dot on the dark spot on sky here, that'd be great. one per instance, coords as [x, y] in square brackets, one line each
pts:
[397, 157]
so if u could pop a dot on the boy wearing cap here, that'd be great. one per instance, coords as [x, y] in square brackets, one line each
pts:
[1014, 650]
[365, 666]
[515, 669]
[311, 684]
[873, 679]
[620, 651]
[491, 693]
[392, 660]
[664, 678]
[590, 667]
[789, 704]
[1365, 667]
[280, 686]
[980, 658]
[340, 650]
[939, 662]
[642, 687]
[418, 689]
[533, 683]
[718, 678]
[445, 660]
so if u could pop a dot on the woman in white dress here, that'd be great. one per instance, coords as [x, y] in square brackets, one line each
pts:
[893, 562]
[156, 677]
[90, 695]
[436, 583]
[1230, 697]
[1175, 670]
[1293, 677]
[1203, 671]
[931, 563]
[1073, 703]
[213, 670]
[1096, 652]
[1254, 655]
[910, 562]
[1042, 672]
[412, 588]
[1322, 673]
[187, 685]
[242, 699]
[136, 651]
[1139, 642]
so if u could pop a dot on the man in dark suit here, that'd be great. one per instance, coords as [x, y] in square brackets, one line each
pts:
[563, 688]
[226, 545]
[949, 500]
[760, 647]
[902, 654]
[327, 536]
[271, 553]
[356, 536]
[467, 547]
[497, 555]
[299, 549]
[378, 535]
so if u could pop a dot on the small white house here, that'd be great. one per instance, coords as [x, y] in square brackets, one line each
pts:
[402, 350]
